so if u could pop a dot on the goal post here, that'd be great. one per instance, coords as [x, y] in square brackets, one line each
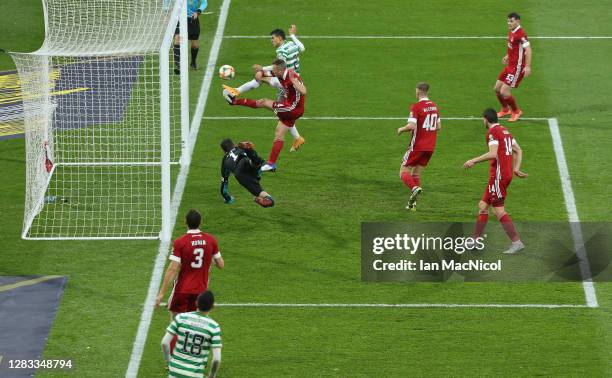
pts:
[106, 119]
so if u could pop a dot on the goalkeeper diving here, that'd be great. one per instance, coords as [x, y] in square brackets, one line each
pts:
[242, 160]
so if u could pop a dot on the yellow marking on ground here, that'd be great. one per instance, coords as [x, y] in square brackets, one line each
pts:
[33, 281]
[11, 128]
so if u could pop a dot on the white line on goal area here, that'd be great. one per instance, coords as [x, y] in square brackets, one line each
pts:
[404, 305]
[164, 246]
[572, 214]
[561, 37]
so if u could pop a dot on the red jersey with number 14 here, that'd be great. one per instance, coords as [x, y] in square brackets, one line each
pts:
[194, 251]
[501, 166]
[425, 115]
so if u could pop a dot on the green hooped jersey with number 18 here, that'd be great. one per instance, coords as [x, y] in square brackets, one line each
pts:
[196, 335]
[289, 52]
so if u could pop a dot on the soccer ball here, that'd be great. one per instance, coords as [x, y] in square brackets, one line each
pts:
[226, 72]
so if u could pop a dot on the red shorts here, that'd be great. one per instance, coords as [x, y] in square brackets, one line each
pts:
[511, 76]
[180, 302]
[288, 118]
[495, 193]
[412, 158]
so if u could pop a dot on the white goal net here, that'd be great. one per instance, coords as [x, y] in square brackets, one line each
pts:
[105, 118]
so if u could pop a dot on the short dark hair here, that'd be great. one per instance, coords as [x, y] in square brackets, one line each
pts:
[280, 63]
[278, 33]
[423, 87]
[206, 301]
[193, 219]
[514, 15]
[227, 144]
[490, 115]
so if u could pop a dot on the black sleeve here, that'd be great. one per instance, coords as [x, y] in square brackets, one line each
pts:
[225, 173]
[256, 161]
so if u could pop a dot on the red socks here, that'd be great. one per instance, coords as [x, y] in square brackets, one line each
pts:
[408, 180]
[512, 102]
[508, 226]
[481, 222]
[277, 147]
[246, 102]
[502, 100]
[416, 179]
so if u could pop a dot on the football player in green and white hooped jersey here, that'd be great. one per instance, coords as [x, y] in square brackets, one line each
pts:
[286, 49]
[198, 335]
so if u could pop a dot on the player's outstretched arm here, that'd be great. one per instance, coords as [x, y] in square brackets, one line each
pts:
[492, 154]
[517, 158]
[292, 33]
[216, 362]
[225, 191]
[218, 260]
[171, 272]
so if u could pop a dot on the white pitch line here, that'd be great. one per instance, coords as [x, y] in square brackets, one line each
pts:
[572, 214]
[349, 118]
[160, 260]
[403, 305]
[561, 37]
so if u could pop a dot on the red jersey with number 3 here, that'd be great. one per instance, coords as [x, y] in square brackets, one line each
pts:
[194, 251]
[425, 115]
[517, 43]
[501, 166]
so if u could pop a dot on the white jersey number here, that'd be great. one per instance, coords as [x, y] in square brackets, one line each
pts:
[199, 254]
[431, 122]
[508, 143]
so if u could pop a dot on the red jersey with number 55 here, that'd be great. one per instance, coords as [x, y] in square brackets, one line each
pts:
[425, 115]
[517, 43]
[501, 166]
[194, 251]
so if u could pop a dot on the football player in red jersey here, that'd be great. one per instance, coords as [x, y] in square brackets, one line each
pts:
[517, 65]
[287, 111]
[424, 121]
[192, 255]
[505, 156]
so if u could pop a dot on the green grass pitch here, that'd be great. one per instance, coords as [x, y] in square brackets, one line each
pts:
[306, 250]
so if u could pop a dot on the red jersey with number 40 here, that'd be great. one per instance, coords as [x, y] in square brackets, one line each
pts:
[517, 42]
[501, 166]
[425, 115]
[194, 251]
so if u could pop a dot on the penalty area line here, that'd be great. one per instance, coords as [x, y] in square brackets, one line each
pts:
[405, 305]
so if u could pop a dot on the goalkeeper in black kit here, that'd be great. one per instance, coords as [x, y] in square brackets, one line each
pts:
[242, 160]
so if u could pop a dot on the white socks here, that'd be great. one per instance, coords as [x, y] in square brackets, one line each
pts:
[294, 132]
[248, 86]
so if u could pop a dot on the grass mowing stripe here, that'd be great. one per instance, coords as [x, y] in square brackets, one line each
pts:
[147, 312]
[572, 214]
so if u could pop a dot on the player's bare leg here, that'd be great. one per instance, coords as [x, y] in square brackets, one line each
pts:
[277, 146]
[264, 199]
[407, 175]
[298, 140]
[504, 93]
[508, 226]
